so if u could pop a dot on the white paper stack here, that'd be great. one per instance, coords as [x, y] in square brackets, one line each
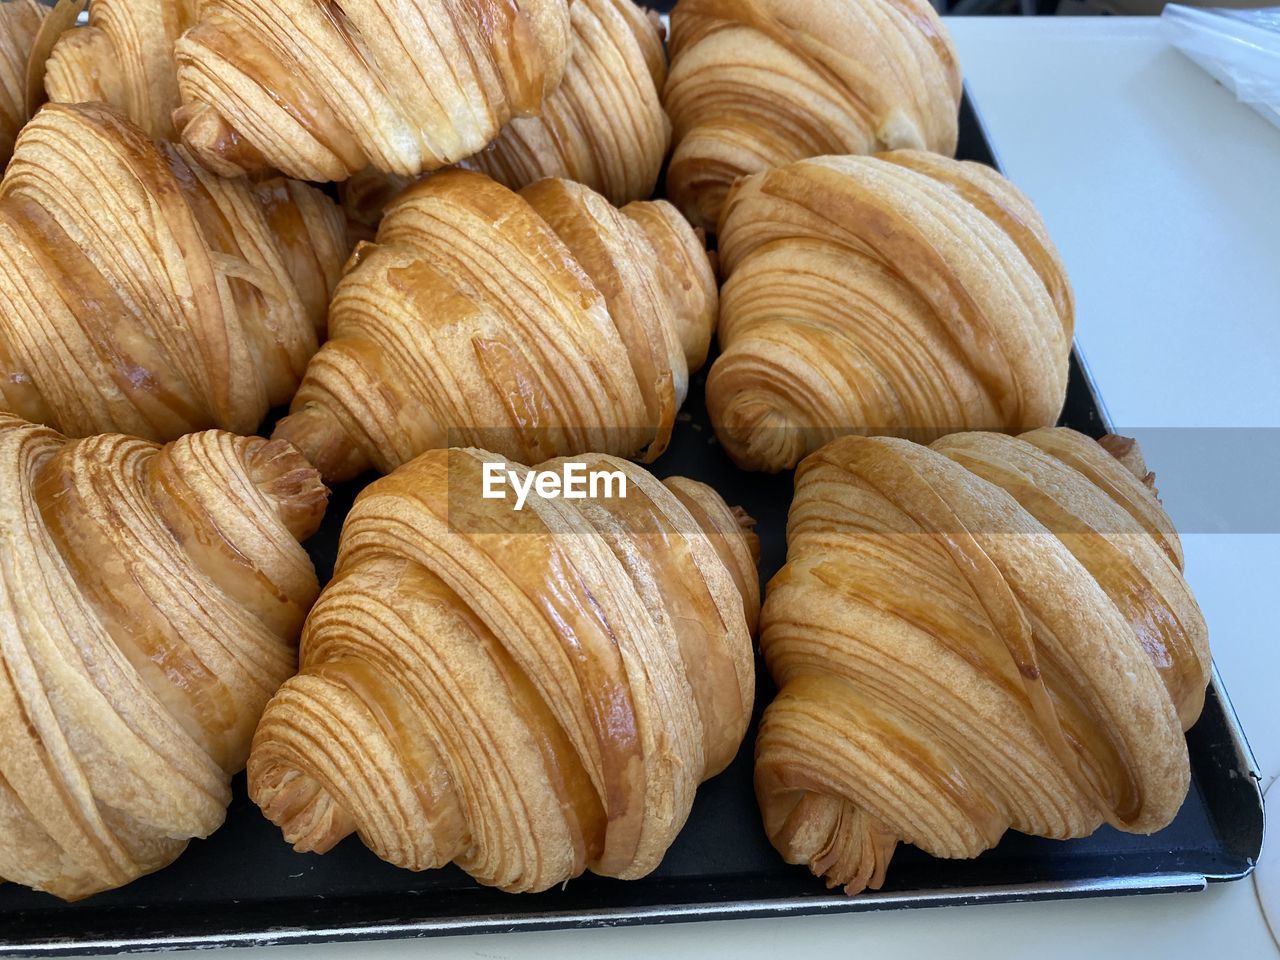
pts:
[1239, 48]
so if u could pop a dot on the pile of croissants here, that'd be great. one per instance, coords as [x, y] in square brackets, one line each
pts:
[426, 228]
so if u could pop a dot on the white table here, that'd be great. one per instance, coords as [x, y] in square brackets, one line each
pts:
[1163, 195]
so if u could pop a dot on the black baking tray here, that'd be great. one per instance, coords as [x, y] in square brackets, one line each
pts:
[244, 886]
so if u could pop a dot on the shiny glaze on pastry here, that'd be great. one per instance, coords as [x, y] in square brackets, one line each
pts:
[756, 84]
[141, 294]
[904, 294]
[604, 126]
[319, 91]
[151, 601]
[534, 324]
[527, 693]
[986, 634]
[124, 56]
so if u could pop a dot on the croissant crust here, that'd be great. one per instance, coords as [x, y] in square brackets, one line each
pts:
[756, 84]
[151, 600]
[534, 324]
[139, 293]
[22, 26]
[124, 56]
[527, 693]
[990, 633]
[904, 294]
[319, 91]
[604, 126]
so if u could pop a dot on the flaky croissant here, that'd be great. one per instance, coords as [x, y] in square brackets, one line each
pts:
[28, 31]
[604, 126]
[142, 294]
[319, 91]
[124, 57]
[904, 294]
[19, 23]
[756, 84]
[527, 693]
[150, 601]
[534, 324]
[990, 633]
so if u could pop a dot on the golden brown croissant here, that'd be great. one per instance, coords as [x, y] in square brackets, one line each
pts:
[28, 31]
[604, 126]
[142, 294]
[19, 23]
[904, 294]
[124, 57]
[527, 693]
[534, 324]
[756, 84]
[150, 601]
[321, 90]
[990, 633]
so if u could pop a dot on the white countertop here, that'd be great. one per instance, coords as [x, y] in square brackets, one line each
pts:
[1163, 195]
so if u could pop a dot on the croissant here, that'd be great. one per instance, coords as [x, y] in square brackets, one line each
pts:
[756, 84]
[534, 324]
[990, 633]
[19, 23]
[604, 126]
[525, 692]
[124, 57]
[321, 90]
[151, 601]
[904, 294]
[141, 294]
[28, 31]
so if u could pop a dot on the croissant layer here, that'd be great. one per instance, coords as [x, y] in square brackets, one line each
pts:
[139, 293]
[604, 126]
[28, 30]
[903, 294]
[986, 634]
[756, 84]
[535, 323]
[150, 602]
[124, 56]
[527, 692]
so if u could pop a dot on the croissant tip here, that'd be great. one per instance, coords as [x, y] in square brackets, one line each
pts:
[322, 441]
[287, 478]
[216, 144]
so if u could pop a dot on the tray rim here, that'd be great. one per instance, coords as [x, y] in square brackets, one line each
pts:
[1139, 884]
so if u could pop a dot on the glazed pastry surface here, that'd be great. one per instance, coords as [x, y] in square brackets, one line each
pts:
[142, 294]
[319, 91]
[151, 603]
[527, 693]
[534, 324]
[986, 634]
[604, 126]
[756, 84]
[904, 294]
